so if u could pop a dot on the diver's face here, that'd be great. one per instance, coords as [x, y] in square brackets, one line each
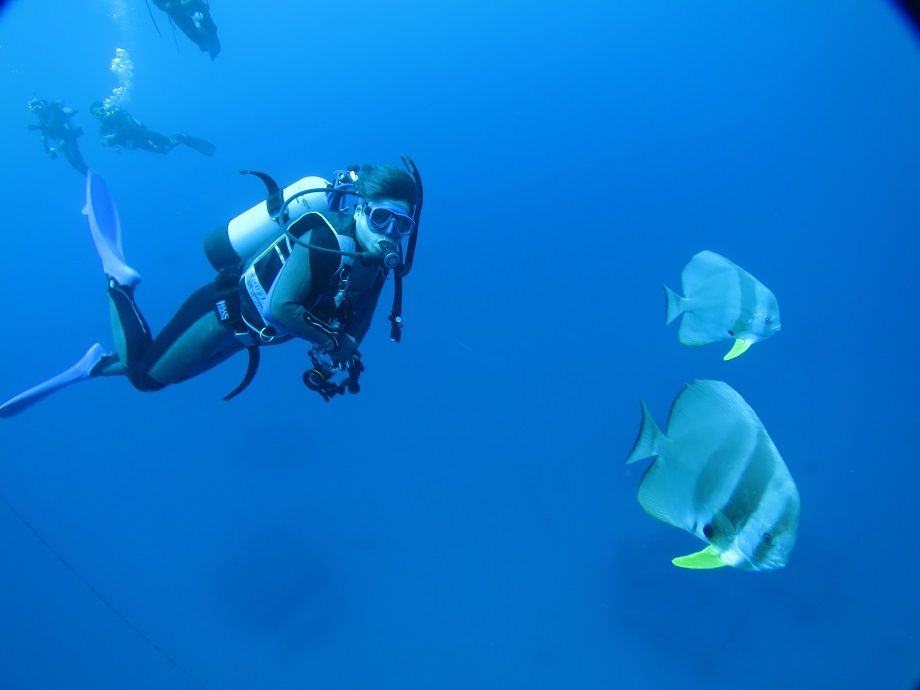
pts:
[382, 219]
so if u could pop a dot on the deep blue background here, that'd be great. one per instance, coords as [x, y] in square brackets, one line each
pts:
[467, 520]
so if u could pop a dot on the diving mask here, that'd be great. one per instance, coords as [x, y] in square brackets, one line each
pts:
[389, 220]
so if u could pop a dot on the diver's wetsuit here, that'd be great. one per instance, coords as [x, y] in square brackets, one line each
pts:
[302, 306]
[120, 128]
[58, 134]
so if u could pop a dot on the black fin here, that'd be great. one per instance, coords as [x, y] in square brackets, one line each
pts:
[205, 148]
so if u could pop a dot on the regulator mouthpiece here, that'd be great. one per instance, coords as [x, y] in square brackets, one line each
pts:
[389, 254]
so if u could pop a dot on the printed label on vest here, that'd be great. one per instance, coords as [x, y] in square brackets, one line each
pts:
[255, 290]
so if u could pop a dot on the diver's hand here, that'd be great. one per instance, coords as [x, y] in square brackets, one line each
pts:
[343, 353]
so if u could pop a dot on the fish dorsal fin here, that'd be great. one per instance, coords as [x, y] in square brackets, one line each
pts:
[740, 347]
[707, 559]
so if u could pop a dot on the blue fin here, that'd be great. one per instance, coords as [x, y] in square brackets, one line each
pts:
[105, 229]
[78, 372]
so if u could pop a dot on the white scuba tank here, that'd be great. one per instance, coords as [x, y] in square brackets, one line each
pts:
[253, 230]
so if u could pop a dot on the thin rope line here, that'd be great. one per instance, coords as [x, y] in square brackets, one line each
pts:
[44, 542]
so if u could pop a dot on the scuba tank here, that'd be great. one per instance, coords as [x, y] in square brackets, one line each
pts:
[253, 230]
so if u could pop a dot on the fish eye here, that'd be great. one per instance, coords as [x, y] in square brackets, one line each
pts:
[767, 538]
[768, 320]
[731, 333]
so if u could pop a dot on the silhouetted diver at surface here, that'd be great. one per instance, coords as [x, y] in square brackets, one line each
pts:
[193, 17]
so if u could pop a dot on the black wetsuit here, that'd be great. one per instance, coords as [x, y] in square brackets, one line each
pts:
[120, 128]
[58, 133]
[303, 305]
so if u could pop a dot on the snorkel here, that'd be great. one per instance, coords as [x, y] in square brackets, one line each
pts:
[409, 164]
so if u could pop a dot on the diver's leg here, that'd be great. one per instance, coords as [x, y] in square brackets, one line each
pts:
[74, 157]
[130, 330]
[191, 343]
[158, 143]
[132, 337]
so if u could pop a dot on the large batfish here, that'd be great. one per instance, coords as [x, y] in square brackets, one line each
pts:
[722, 301]
[718, 475]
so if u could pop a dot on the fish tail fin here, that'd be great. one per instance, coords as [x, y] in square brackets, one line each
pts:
[674, 304]
[648, 444]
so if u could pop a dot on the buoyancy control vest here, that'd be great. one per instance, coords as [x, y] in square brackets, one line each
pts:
[260, 278]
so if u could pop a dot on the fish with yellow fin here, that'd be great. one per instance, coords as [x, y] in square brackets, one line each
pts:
[722, 301]
[718, 476]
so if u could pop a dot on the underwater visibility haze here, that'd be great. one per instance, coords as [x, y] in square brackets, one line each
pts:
[467, 519]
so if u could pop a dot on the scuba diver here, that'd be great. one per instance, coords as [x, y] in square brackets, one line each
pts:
[307, 263]
[59, 134]
[193, 17]
[120, 128]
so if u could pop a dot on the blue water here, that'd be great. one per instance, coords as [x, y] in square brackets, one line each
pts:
[467, 520]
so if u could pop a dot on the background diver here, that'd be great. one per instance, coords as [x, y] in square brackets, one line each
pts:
[121, 129]
[59, 134]
[319, 281]
[193, 17]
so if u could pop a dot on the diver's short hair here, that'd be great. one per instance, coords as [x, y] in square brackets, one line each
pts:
[385, 182]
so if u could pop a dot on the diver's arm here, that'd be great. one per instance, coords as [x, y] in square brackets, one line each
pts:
[363, 311]
[294, 288]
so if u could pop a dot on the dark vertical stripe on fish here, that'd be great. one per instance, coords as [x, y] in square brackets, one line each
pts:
[752, 485]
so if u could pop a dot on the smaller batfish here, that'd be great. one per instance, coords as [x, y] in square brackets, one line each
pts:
[718, 475]
[722, 301]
